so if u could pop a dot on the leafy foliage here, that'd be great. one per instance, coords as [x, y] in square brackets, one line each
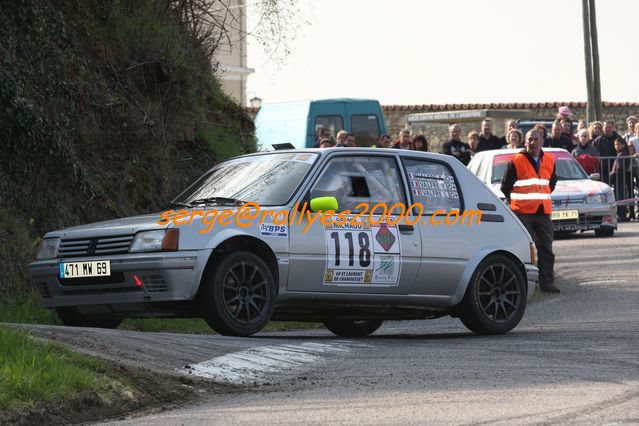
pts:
[107, 109]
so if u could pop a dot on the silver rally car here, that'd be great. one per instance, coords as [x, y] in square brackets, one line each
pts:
[580, 203]
[238, 273]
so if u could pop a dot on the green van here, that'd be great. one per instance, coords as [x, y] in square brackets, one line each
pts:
[299, 123]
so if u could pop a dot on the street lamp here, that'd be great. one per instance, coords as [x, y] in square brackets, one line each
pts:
[255, 102]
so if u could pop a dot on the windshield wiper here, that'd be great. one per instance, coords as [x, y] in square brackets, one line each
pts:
[175, 204]
[218, 200]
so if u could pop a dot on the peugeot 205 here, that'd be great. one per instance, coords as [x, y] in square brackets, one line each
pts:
[580, 202]
[409, 257]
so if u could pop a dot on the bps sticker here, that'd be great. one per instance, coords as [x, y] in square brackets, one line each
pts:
[271, 230]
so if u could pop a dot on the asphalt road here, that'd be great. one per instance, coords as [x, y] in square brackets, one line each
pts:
[573, 359]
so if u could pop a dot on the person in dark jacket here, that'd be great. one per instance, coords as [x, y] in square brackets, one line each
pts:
[455, 146]
[486, 139]
[585, 146]
[605, 145]
[558, 139]
[620, 176]
[420, 143]
[527, 184]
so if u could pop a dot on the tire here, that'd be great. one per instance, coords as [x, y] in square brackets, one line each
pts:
[238, 295]
[346, 328]
[604, 232]
[72, 318]
[495, 299]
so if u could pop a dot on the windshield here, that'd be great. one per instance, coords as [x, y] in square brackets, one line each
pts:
[566, 167]
[268, 179]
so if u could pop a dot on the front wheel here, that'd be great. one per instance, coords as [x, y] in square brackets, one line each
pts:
[495, 299]
[346, 328]
[238, 294]
[72, 318]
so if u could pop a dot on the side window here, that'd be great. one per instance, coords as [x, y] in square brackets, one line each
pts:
[357, 179]
[433, 185]
[332, 122]
[365, 128]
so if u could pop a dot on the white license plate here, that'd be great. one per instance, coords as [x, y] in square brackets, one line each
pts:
[565, 214]
[101, 268]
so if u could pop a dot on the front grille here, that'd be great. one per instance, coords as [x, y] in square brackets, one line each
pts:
[154, 283]
[567, 202]
[95, 246]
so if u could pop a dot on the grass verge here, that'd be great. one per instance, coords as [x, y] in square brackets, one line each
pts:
[30, 312]
[32, 372]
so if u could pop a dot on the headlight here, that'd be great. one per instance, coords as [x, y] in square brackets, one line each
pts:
[596, 199]
[48, 249]
[158, 240]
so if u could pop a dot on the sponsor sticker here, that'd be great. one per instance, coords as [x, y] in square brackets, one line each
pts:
[272, 230]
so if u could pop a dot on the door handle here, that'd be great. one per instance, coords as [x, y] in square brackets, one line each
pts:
[405, 229]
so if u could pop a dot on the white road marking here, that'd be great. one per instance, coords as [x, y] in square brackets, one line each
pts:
[266, 364]
[604, 282]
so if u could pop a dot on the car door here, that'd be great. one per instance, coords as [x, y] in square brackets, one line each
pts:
[446, 248]
[374, 256]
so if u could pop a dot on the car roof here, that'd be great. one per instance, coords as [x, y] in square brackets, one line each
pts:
[358, 150]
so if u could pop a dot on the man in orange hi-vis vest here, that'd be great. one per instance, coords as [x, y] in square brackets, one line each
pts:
[527, 183]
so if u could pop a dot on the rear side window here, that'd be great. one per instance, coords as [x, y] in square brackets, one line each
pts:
[332, 122]
[365, 128]
[433, 185]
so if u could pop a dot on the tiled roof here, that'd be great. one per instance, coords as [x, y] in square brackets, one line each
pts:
[502, 105]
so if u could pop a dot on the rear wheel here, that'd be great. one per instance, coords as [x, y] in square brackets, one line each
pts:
[72, 318]
[348, 328]
[238, 295]
[604, 232]
[495, 299]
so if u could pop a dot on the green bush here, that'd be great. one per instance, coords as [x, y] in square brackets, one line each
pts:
[107, 109]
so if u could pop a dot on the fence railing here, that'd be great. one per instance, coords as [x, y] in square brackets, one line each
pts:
[622, 174]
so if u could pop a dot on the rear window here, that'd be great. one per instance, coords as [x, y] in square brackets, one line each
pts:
[332, 122]
[365, 128]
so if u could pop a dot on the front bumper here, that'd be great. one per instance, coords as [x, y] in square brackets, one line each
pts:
[590, 218]
[532, 277]
[164, 276]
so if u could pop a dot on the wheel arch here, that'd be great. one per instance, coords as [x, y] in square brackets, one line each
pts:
[474, 262]
[248, 243]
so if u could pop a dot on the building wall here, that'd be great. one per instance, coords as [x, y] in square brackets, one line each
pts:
[230, 57]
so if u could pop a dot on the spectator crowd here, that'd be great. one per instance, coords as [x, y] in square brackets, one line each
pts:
[596, 146]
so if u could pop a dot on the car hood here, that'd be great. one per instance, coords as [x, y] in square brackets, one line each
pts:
[567, 189]
[121, 226]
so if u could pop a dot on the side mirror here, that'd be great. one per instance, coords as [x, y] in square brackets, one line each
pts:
[322, 204]
[594, 176]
